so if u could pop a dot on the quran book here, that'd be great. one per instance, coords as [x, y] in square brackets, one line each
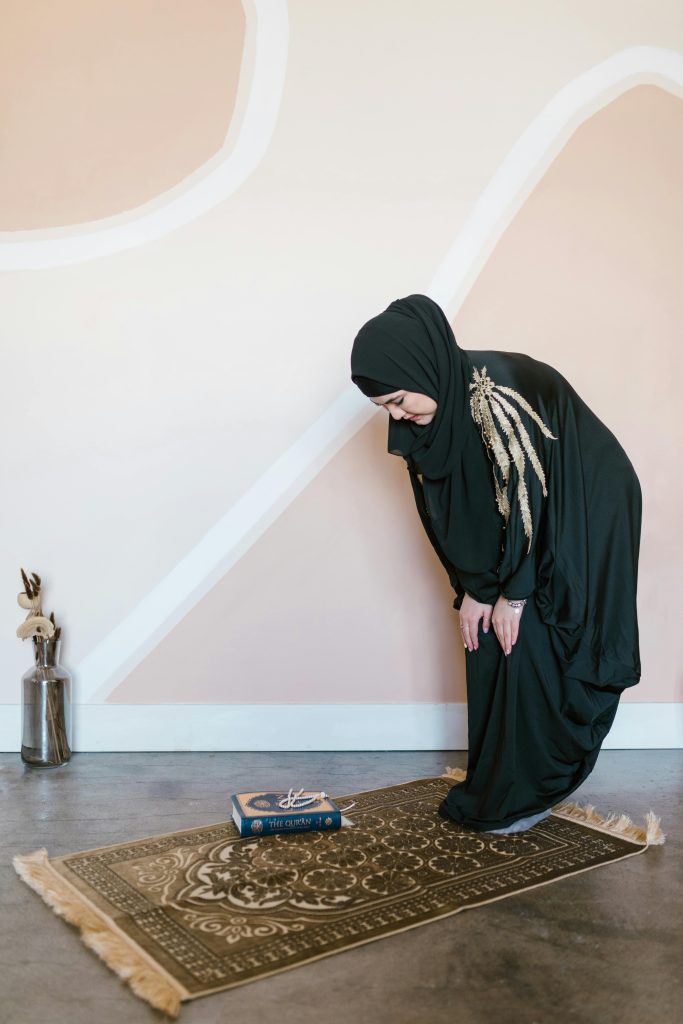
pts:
[258, 814]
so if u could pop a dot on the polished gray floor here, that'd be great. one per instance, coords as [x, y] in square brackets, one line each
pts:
[604, 945]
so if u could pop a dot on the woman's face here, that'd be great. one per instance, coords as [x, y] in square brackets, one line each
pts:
[408, 405]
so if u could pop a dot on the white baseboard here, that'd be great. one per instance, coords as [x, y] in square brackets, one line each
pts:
[419, 726]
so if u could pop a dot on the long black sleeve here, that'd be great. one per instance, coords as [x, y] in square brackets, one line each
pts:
[424, 517]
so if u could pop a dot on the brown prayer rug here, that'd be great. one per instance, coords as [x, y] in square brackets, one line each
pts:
[186, 914]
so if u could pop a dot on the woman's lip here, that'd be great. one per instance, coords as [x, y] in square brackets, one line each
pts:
[413, 417]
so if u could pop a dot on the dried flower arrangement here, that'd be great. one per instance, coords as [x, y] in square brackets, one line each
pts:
[35, 623]
[43, 629]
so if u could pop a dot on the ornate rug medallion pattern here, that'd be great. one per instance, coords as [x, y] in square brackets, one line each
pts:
[194, 912]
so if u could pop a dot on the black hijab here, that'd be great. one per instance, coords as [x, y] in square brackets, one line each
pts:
[412, 347]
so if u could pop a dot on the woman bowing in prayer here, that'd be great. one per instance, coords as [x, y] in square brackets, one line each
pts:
[534, 510]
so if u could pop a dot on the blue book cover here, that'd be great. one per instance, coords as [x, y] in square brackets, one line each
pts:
[257, 814]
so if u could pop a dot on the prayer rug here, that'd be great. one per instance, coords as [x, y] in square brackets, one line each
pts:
[190, 913]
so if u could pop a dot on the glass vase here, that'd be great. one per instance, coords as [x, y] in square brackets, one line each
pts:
[46, 708]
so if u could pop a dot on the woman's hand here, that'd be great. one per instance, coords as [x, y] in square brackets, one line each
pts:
[506, 623]
[470, 613]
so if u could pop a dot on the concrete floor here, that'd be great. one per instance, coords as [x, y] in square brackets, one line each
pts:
[603, 946]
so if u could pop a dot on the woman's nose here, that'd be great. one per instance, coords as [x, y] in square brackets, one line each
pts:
[396, 412]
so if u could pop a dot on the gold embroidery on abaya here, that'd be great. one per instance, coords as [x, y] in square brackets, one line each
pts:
[488, 404]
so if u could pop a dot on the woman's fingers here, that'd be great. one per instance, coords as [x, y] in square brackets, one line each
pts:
[507, 635]
[499, 632]
[502, 629]
[506, 625]
[469, 634]
[463, 632]
[471, 613]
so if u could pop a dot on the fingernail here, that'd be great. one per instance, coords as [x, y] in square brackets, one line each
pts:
[486, 630]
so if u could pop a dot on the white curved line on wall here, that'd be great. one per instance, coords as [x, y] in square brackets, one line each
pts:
[153, 618]
[259, 93]
[534, 151]
[206, 563]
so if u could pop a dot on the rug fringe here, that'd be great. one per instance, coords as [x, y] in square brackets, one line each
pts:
[152, 986]
[617, 824]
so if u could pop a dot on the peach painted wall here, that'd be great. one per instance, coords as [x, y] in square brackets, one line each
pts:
[149, 385]
[106, 105]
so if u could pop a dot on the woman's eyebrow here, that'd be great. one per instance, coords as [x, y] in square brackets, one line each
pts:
[387, 401]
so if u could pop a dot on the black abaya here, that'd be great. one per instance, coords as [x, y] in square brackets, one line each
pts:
[538, 716]
[523, 492]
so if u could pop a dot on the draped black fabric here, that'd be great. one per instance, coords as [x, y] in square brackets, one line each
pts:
[537, 717]
[412, 344]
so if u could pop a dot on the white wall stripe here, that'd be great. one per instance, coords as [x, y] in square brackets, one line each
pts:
[535, 150]
[204, 565]
[102, 727]
[259, 95]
